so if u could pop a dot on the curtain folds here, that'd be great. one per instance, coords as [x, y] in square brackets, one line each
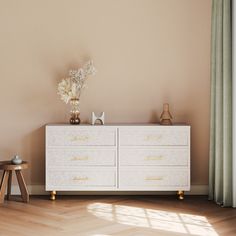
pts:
[220, 165]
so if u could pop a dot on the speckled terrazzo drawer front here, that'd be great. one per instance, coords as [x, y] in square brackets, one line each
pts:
[81, 178]
[154, 156]
[154, 136]
[80, 136]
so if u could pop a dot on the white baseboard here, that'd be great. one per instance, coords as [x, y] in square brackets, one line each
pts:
[40, 190]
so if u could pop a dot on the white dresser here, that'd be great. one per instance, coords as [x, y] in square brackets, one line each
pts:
[117, 158]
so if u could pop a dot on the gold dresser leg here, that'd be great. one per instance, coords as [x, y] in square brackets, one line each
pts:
[180, 195]
[53, 195]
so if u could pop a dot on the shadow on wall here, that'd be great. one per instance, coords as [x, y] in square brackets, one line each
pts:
[154, 118]
[33, 151]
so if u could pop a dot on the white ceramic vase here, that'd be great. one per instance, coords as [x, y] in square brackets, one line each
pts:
[16, 160]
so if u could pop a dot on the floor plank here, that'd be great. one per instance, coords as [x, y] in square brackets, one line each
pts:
[116, 215]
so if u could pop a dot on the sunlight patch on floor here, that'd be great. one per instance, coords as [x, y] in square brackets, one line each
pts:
[154, 219]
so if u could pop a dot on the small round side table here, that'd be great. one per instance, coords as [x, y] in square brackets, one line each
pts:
[8, 168]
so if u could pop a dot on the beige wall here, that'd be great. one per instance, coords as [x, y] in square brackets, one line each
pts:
[147, 52]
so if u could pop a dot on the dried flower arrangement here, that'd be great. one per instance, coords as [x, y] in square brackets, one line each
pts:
[71, 87]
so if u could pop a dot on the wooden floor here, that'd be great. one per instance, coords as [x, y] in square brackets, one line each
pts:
[116, 215]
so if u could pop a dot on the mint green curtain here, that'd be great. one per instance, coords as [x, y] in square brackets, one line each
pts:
[220, 165]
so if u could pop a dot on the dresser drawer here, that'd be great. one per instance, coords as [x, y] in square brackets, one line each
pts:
[56, 157]
[154, 136]
[80, 136]
[158, 157]
[81, 178]
[169, 177]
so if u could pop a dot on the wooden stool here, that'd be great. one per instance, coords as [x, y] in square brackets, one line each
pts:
[7, 168]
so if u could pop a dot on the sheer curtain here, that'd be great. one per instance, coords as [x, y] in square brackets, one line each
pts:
[221, 158]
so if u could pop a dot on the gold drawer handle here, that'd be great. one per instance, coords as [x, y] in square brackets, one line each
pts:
[81, 178]
[153, 158]
[85, 158]
[153, 178]
[153, 137]
[79, 138]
